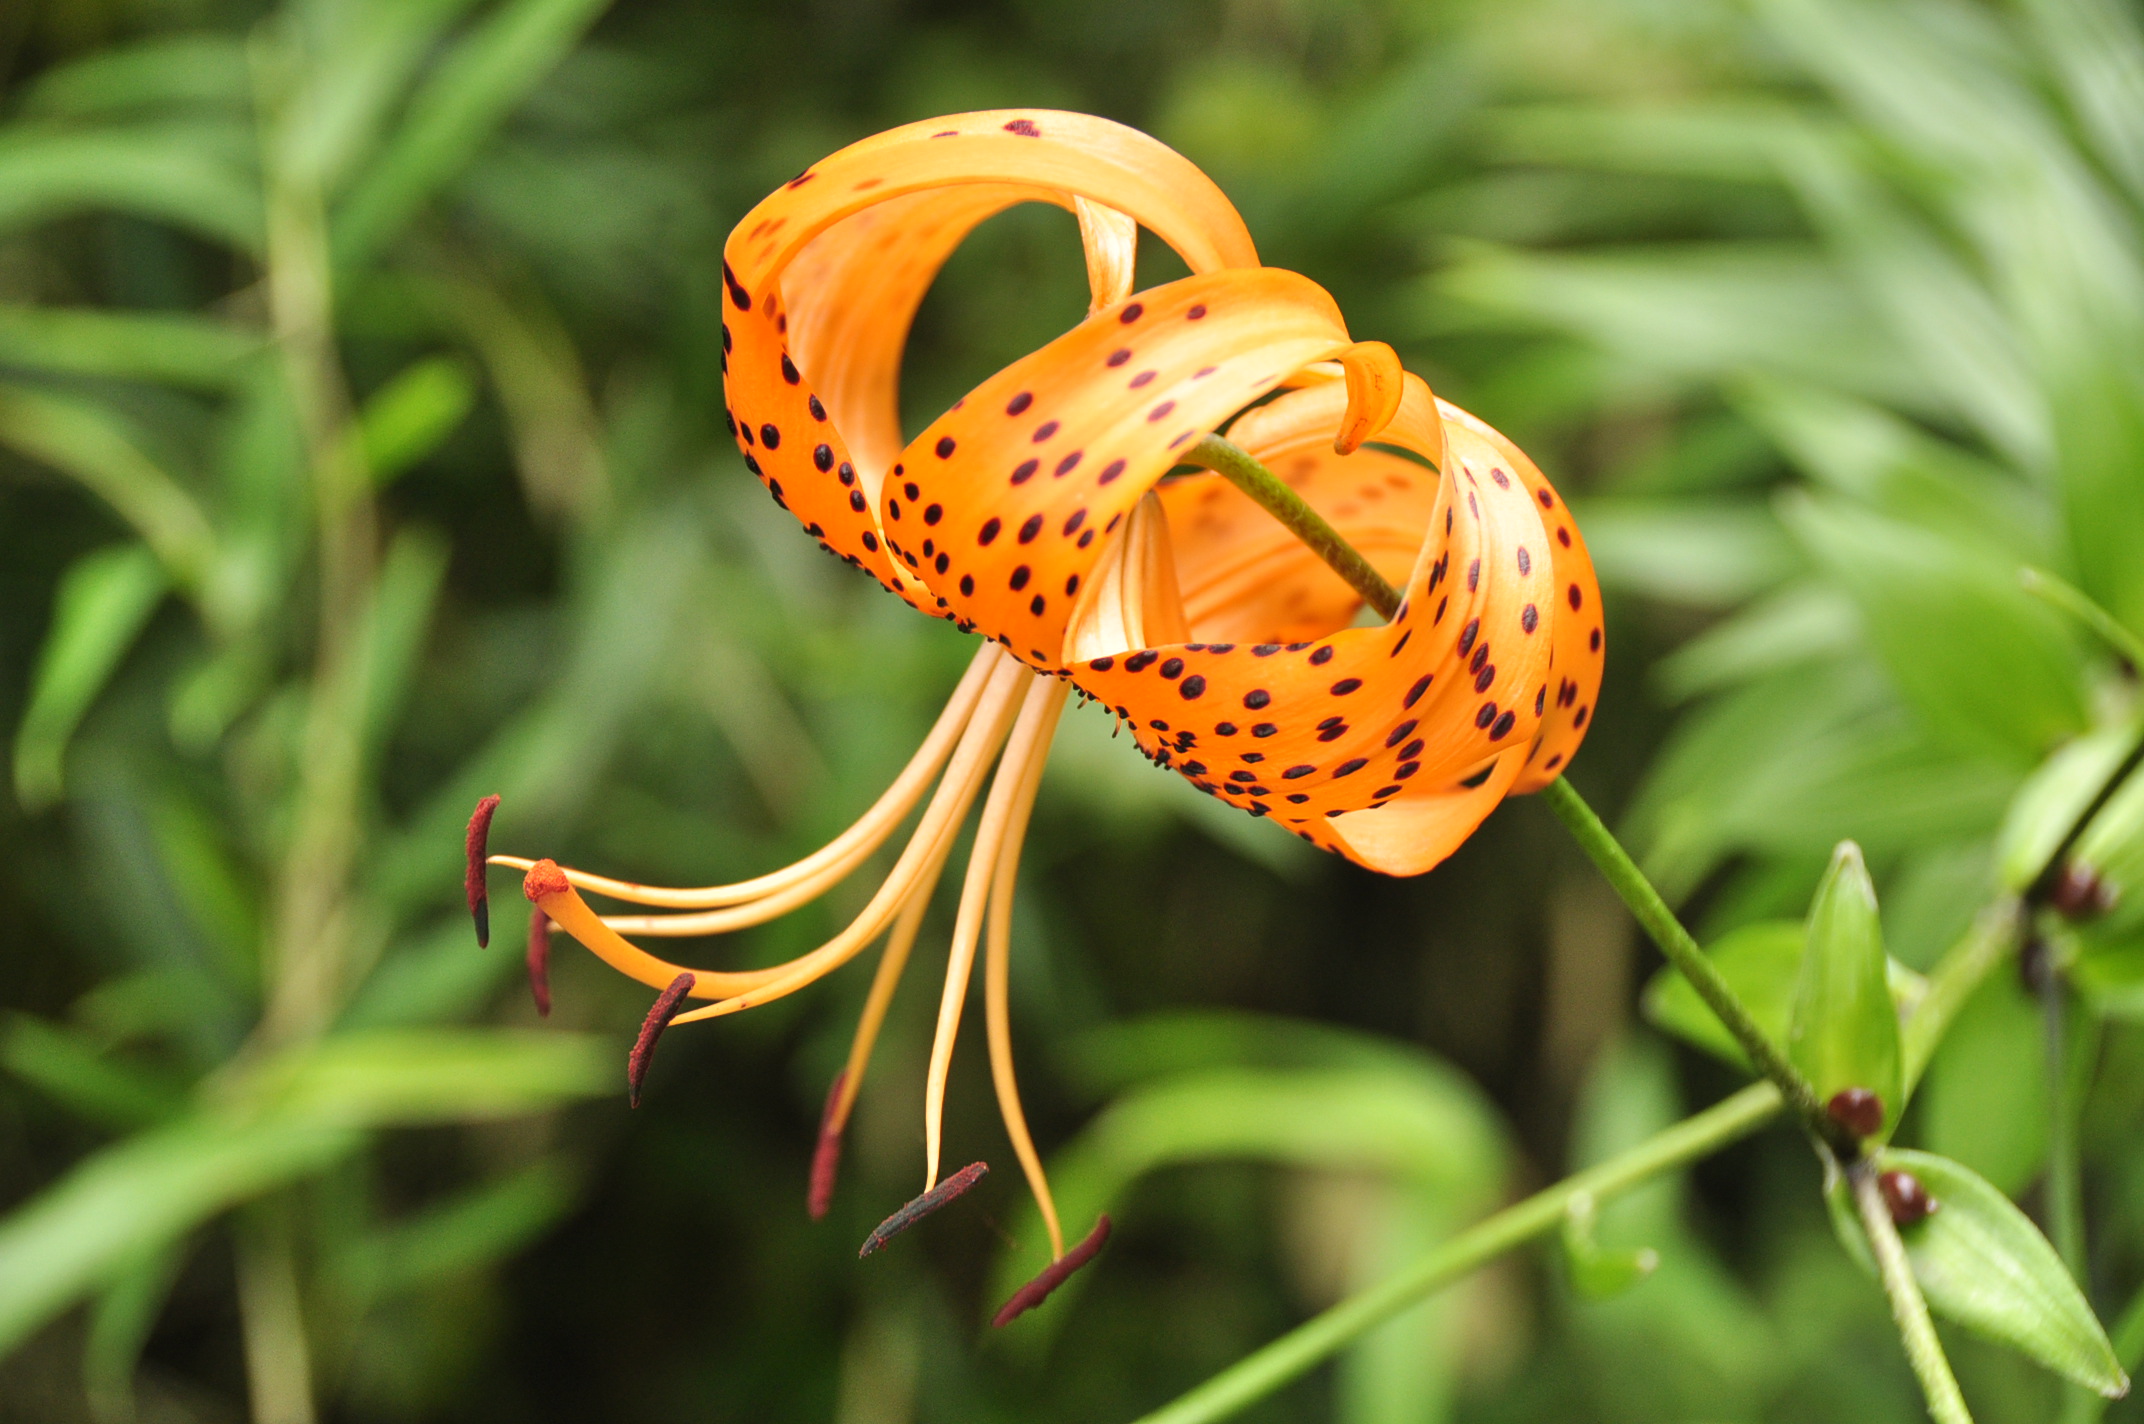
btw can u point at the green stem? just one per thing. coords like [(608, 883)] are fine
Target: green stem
[(1303, 1348), (1923, 1350), (1240, 468), (1607, 853), (1963, 970)]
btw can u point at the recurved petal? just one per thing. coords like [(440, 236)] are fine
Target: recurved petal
[(1387, 744), (1004, 504), (1577, 649)]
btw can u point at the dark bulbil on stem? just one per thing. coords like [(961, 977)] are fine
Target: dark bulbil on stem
[(2079, 894), (1906, 1199), (1857, 1110)]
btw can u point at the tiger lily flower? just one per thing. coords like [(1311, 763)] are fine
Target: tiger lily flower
[(1048, 511)]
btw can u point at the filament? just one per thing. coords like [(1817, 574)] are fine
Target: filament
[(1030, 743)]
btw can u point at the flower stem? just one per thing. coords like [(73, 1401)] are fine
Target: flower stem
[(1960, 974), (1923, 1350), (1235, 464), (1260, 1373), (1607, 853), (1243, 470)]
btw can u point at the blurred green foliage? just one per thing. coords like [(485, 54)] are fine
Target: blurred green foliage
[(360, 454)]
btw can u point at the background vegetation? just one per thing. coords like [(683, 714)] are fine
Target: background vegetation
[(359, 424)]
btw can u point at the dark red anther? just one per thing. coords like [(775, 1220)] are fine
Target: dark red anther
[(1857, 1110), (2079, 893), (946, 1191), (1906, 1197), (475, 846), (540, 961), (1036, 1291), (660, 1013), (826, 1157)]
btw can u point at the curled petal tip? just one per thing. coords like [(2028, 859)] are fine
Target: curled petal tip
[(660, 1013), (826, 1156), (946, 1191), (539, 960), (1038, 1290), (1375, 384), (475, 847), (544, 878)]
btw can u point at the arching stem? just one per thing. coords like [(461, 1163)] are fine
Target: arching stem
[(1269, 492)]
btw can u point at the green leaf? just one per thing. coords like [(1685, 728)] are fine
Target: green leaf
[(198, 70), (120, 1324), (458, 108), (167, 173), (1597, 1273), (466, 1233), (1801, 623), (148, 346), (104, 600), (1984, 665), (73, 1069), (1843, 1031), (134, 1197), (1982, 1263), (2053, 798), (407, 1077), (1984, 1102), (87, 442), (413, 414), (1704, 555)]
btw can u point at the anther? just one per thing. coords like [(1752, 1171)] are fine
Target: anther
[(1036, 1291), (539, 958), (826, 1157), (476, 847), (660, 1013), (950, 1189), (1906, 1198), (1857, 1110)]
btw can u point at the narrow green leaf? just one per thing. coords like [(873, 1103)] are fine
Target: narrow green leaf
[(148, 346), (1705, 555), (131, 1198), (197, 70), (1983, 664), (120, 1324), (87, 442), (466, 1233), (166, 173), (1843, 1032), (72, 1069), (402, 1077), (1982, 1263), (1596, 1272), (2052, 799), (413, 414), (455, 112), (104, 599)]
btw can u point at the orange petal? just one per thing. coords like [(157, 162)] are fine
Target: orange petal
[(1386, 744), (1004, 505)]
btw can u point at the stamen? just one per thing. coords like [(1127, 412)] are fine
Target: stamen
[(826, 1157), (867, 834), (1038, 719), (1038, 1290), (660, 1013), (473, 877), (997, 1011), (539, 960), (841, 1098), (946, 1191)]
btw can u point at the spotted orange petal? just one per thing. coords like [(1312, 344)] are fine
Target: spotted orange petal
[(824, 276), (1387, 744)]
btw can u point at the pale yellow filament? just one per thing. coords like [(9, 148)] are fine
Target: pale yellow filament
[(940, 824), (941, 820), (1030, 741), (846, 850), (880, 999), (996, 974)]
